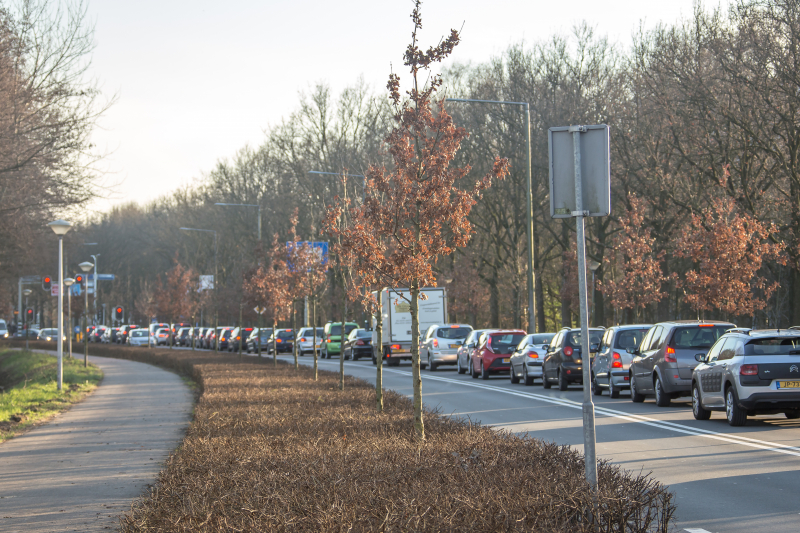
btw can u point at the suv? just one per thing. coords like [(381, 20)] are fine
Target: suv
[(563, 362), (333, 337), (663, 363), (492, 356), (612, 361), (526, 361), (749, 373), (440, 344)]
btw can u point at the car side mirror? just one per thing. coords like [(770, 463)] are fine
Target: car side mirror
[(700, 357)]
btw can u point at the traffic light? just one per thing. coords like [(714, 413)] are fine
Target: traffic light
[(29, 314), (47, 282), (79, 279), (118, 313)]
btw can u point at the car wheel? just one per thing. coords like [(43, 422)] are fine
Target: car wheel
[(513, 375), (736, 415), (472, 370), (563, 384), (528, 380), (635, 396), (596, 390), (545, 382), (662, 398), (459, 368), (432, 366), (792, 415), (484, 372), (353, 356), (613, 391), (374, 360), (699, 412)]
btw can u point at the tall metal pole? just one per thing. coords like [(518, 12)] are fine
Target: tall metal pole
[(96, 285), (529, 202), (26, 323), (216, 294), (589, 437), (84, 334), (60, 312), (259, 222), (69, 307)]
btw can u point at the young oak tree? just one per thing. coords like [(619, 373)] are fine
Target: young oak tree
[(413, 213), (174, 297)]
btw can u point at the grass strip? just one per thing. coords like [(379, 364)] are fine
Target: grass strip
[(30, 394), (270, 449)]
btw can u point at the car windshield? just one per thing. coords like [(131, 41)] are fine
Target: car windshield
[(697, 337), (453, 332), (542, 338), (773, 346), (364, 334), (138, 333), (505, 342), (574, 338), (265, 333), (336, 329), (310, 332), (630, 338)]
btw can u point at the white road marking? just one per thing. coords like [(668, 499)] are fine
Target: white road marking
[(695, 530), (630, 417)]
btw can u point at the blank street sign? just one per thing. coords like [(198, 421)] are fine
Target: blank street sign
[(595, 171)]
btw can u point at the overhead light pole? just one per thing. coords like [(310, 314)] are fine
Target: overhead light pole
[(26, 292), (216, 281), (529, 202), (86, 266), (245, 205), (68, 284), (60, 228)]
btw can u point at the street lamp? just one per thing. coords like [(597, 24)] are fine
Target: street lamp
[(60, 228), (86, 266), (246, 205), (531, 274), (68, 283), (216, 315), (26, 292), (96, 286)]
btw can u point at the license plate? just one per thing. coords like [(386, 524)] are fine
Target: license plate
[(789, 384), (506, 359), (400, 353), (455, 345)]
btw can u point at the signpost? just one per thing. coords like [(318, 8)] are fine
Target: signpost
[(320, 247), (580, 177)]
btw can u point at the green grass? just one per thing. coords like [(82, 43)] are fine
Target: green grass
[(30, 393)]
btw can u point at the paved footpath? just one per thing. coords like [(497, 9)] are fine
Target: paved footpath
[(83, 469)]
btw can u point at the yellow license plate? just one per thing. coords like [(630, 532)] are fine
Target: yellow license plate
[(455, 345), (506, 359), (789, 384)]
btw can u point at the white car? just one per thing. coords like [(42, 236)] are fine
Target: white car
[(305, 340), (138, 337), (3, 329)]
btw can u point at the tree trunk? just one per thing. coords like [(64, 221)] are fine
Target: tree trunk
[(171, 333), (275, 342), (241, 332), (379, 357), (341, 343), (314, 325), (260, 330), (494, 300), (294, 335), (419, 425)]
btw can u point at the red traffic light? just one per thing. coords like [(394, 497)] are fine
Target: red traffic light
[(119, 310), (79, 278), (29, 312), (47, 283)]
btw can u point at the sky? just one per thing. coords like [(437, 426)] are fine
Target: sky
[(195, 81)]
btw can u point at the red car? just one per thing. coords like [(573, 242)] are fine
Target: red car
[(493, 355)]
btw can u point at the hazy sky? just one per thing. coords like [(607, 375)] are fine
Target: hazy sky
[(197, 80)]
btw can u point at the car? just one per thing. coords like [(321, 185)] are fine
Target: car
[(493, 354), (29, 333), (196, 336), (440, 343), (258, 337), (663, 363), (305, 340), (467, 348), (332, 337), (48, 334), (210, 339), (358, 344), (112, 334), (224, 337), (527, 359), (124, 333), (174, 328), (613, 360), (239, 339), (4, 333), (138, 337), (155, 326), (161, 337), (563, 363), (182, 337), (97, 333), (283, 340), (748, 374)]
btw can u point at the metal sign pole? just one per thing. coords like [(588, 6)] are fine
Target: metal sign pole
[(589, 437)]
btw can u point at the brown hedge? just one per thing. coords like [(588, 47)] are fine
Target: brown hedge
[(271, 450)]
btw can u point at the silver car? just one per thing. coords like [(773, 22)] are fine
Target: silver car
[(527, 359), (138, 337), (610, 365), (440, 344), (747, 374), (305, 340)]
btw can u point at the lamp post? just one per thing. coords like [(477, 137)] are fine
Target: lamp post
[(26, 292), (96, 286), (60, 228), (86, 266), (216, 315), (529, 202), (68, 284), (246, 205)]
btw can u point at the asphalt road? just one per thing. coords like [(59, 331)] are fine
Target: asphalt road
[(726, 479)]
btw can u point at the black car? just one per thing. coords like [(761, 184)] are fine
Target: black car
[(182, 337), (237, 337), (283, 340), (358, 344), (258, 336), (563, 362), (224, 338)]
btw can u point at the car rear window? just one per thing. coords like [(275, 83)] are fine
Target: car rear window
[(574, 338), (336, 329), (283, 334), (453, 333), (505, 342), (630, 338), (542, 338), (773, 346), (138, 333), (363, 334), (697, 336)]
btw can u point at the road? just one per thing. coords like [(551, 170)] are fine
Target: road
[(726, 479)]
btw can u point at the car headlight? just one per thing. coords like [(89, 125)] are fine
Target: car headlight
[(5, 336), (48, 338)]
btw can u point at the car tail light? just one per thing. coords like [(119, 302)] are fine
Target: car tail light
[(328, 339), (278, 340), (302, 339), (616, 364), (669, 355), (705, 325), (748, 370), (568, 351), (435, 343), (533, 355), (395, 346), (360, 343)]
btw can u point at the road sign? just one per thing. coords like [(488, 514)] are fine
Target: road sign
[(102, 277), (206, 283), (260, 310), (53, 289), (320, 247), (595, 170)]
